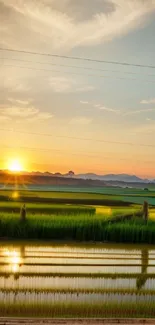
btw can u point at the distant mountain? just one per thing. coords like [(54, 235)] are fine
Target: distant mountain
[(114, 177)]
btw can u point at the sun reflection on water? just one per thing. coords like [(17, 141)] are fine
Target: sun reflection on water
[(15, 195), (14, 259)]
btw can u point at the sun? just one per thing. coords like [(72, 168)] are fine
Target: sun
[(15, 165)]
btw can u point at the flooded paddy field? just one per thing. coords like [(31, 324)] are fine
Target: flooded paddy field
[(73, 280)]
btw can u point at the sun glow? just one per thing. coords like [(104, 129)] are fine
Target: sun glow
[(15, 165)]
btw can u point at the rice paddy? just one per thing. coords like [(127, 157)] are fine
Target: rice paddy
[(81, 227), (71, 278), (89, 196), (39, 208), (108, 280)]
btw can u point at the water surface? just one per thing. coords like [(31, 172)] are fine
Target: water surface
[(56, 272)]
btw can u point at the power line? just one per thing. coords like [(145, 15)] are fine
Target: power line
[(79, 58), (79, 138), (76, 73), (76, 67), (81, 153)]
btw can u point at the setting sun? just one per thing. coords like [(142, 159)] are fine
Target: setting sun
[(15, 165)]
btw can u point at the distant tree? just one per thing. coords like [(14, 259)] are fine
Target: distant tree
[(58, 174), (71, 173)]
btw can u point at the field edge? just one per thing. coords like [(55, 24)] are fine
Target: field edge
[(74, 321)]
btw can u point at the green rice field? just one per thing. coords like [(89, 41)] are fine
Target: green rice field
[(98, 196), (90, 221), (67, 279)]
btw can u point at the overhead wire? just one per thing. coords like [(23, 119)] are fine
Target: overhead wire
[(84, 59), (76, 73), (74, 66), (78, 138), (78, 58), (60, 151)]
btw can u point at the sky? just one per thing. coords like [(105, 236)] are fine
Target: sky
[(61, 114)]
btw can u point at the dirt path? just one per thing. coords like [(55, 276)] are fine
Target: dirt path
[(39, 321)]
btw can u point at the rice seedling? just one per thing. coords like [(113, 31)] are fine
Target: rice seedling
[(79, 275), (32, 291), (77, 310), (82, 227), (79, 264), (117, 291), (38, 208)]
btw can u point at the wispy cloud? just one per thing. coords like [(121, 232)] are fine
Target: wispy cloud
[(84, 102), (57, 25), (40, 117), (60, 84), (103, 108), (18, 101), (97, 105), (112, 110), (13, 83), (139, 111), (85, 89), (80, 120), (148, 101), (19, 112), (28, 113)]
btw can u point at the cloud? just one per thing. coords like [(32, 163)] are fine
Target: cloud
[(56, 25), (40, 117), (149, 101), (85, 89), (28, 113), (84, 102), (13, 83), (18, 101), (139, 111), (112, 110), (80, 121), (103, 108), (19, 111), (60, 84)]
